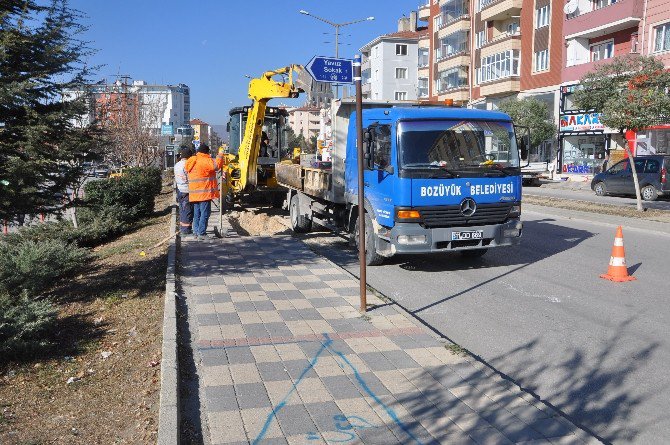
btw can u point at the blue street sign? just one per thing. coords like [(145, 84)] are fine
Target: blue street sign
[(167, 130), (329, 69)]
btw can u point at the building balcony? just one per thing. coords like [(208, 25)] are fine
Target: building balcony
[(461, 23), (500, 9), (502, 86), (616, 17), (455, 60), (576, 72), (365, 64), (365, 87), (424, 12), (424, 42), (423, 70), (503, 42), (460, 94)]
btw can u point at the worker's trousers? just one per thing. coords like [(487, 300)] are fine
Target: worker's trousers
[(201, 212), (185, 213)]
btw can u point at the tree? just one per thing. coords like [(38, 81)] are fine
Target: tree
[(631, 93), (131, 122), (293, 141), (531, 113), (42, 144)]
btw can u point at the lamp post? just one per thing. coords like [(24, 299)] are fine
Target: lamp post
[(337, 27)]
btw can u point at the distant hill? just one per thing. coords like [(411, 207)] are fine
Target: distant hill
[(221, 131)]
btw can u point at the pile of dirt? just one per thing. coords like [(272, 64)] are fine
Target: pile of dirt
[(258, 222), (101, 381), (607, 209)]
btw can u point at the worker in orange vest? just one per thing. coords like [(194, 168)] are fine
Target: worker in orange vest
[(202, 186)]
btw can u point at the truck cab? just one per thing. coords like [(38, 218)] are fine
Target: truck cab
[(437, 179)]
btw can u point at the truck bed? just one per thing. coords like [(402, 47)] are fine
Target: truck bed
[(315, 182)]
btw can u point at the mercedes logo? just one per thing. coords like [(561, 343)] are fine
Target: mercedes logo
[(468, 207)]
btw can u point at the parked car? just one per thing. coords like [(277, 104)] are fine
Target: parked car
[(652, 173), (101, 171)]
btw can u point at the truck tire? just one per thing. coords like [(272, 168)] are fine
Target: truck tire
[(473, 254), (372, 258), (299, 223)]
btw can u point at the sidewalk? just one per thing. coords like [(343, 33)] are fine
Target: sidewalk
[(283, 356)]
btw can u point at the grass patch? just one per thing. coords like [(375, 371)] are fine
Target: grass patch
[(120, 249), (456, 349), (594, 207)]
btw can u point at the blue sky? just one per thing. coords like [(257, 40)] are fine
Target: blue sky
[(211, 44)]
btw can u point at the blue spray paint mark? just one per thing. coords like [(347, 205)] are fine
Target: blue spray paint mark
[(374, 396), (342, 423), (283, 402)]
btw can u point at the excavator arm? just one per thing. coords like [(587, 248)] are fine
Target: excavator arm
[(261, 90)]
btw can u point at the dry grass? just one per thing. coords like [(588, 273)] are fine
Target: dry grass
[(606, 209), (115, 305)]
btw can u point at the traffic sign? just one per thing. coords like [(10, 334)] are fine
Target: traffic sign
[(329, 69)]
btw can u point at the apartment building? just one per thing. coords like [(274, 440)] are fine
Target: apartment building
[(305, 121), (389, 64), (201, 131)]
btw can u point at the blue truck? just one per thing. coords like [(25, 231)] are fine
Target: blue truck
[(437, 179)]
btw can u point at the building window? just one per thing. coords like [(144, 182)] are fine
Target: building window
[(424, 58), (437, 21), (542, 18), (498, 66), (480, 38), (662, 38), (400, 49), (401, 95), (452, 78), (454, 43), (541, 60), (423, 87), (597, 4), (603, 50), (401, 73)]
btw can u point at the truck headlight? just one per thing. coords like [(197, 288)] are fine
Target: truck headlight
[(514, 211), (411, 239)]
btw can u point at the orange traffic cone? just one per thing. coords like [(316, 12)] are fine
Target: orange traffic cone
[(617, 270)]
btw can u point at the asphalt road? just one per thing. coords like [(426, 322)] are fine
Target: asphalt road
[(540, 314), (663, 203)]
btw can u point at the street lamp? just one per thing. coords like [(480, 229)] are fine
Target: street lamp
[(337, 27)]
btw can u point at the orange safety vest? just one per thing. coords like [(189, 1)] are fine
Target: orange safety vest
[(201, 170)]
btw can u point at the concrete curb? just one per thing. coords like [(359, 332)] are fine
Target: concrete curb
[(168, 415)]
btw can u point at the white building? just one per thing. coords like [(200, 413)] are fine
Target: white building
[(305, 121), (158, 104), (390, 64)]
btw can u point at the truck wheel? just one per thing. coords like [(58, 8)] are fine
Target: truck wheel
[(649, 193), (600, 189), (299, 223), (372, 258), (476, 253)]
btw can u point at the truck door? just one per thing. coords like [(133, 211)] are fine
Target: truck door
[(378, 180)]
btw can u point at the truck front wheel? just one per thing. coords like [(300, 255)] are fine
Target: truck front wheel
[(372, 258), (299, 222)]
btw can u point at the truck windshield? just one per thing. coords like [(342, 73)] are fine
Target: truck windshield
[(458, 147)]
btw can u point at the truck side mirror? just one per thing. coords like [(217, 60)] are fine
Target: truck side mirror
[(523, 142)]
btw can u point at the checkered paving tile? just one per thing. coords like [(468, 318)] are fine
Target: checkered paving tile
[(283, 356)]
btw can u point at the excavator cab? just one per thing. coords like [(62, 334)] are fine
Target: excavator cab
[(274, 125)]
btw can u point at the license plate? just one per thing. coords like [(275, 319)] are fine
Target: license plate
[(461, 236)]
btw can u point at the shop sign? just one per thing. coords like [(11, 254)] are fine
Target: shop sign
[(581, 122), (581, 169)]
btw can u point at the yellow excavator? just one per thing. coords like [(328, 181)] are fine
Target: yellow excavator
[(245, 174)]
